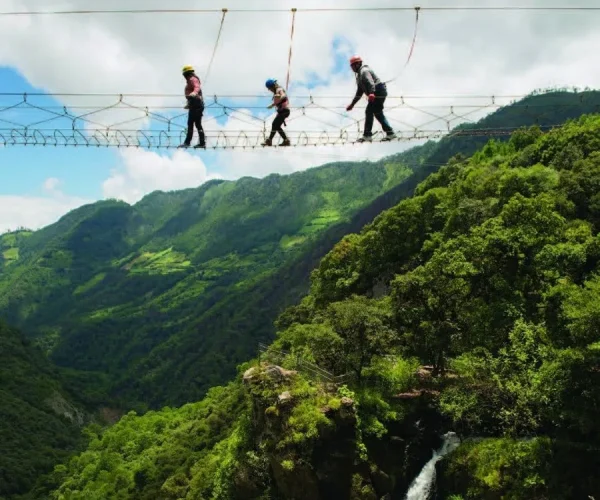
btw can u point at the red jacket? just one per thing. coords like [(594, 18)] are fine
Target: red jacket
[(280, 99), (193, 85)]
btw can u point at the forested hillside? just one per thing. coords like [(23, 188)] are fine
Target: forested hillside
[(40, 421), (109, 283), (472, 306), (167, 296)]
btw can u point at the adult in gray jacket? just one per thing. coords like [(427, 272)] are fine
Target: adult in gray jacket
[(369, 84)]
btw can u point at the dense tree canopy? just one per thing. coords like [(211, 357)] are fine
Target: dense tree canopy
[(40, 421)]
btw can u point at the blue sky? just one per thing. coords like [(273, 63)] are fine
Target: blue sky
[(24, 169)]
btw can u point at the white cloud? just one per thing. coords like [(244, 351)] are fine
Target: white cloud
[(51, 185), (145, 171), (259, 163), (35, 212)]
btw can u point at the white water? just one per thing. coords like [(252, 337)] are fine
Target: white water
[(420, 488)]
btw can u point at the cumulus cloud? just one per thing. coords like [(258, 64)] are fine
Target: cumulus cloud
[(51, 185), (145, 171), (259, 163), (35, 212), (456, 50)]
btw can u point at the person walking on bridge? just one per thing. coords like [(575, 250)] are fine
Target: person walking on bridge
[(369, 84), (195, 105), (280, 99)]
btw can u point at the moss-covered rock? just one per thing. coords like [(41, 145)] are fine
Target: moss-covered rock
[(307, 431)]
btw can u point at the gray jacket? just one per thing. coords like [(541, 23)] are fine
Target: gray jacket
[(366, 81)]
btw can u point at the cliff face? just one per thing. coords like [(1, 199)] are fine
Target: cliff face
[(307, 432), (313, 447)]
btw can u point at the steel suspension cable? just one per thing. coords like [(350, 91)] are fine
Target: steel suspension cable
[(216, 45), (287, 81)]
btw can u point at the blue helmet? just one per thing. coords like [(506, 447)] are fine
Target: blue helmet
[(270, 82)]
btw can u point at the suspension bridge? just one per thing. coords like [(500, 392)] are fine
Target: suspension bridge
[(157, 121), (26, 121)]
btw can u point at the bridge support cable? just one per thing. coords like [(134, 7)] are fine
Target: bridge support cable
[(412, 46), (215, 48), (287, 80)]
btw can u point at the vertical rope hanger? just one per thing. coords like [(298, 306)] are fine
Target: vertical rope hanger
[(216, 45), (412, 45), (287, 81)]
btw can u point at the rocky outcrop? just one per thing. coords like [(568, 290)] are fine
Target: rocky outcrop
[(275, 372), (331, 464), (62, 407), (301, 467)]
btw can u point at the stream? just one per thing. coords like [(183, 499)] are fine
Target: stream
[(420, 488)]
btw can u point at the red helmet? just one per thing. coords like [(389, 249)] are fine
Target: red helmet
[(355, 59)]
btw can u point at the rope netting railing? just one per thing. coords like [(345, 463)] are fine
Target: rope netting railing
[(267, 353), (159, 121)]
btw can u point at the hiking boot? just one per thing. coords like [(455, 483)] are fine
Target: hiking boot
[(268, 142), (365, 138), (184, 145), (391, 136), (200, 145), (286, 142)]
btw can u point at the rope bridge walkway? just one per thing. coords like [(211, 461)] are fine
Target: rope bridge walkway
[(103, 120)]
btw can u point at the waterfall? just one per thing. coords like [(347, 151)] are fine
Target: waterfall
[(420, 488)]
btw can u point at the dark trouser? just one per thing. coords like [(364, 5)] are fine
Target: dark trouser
[(195, 118), (375, 109), (278, 122)]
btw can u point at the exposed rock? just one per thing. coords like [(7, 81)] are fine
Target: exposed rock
[(425, 372), (382, 482), (347, 412), (62, 407), (273, 371), (278, 371), (249, 374), (110, 415), (284, 398), (299, 482), (416, 393)]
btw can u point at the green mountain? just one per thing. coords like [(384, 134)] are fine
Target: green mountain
[(471, 306), (106, 286), (167, 296), (40, 421)]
